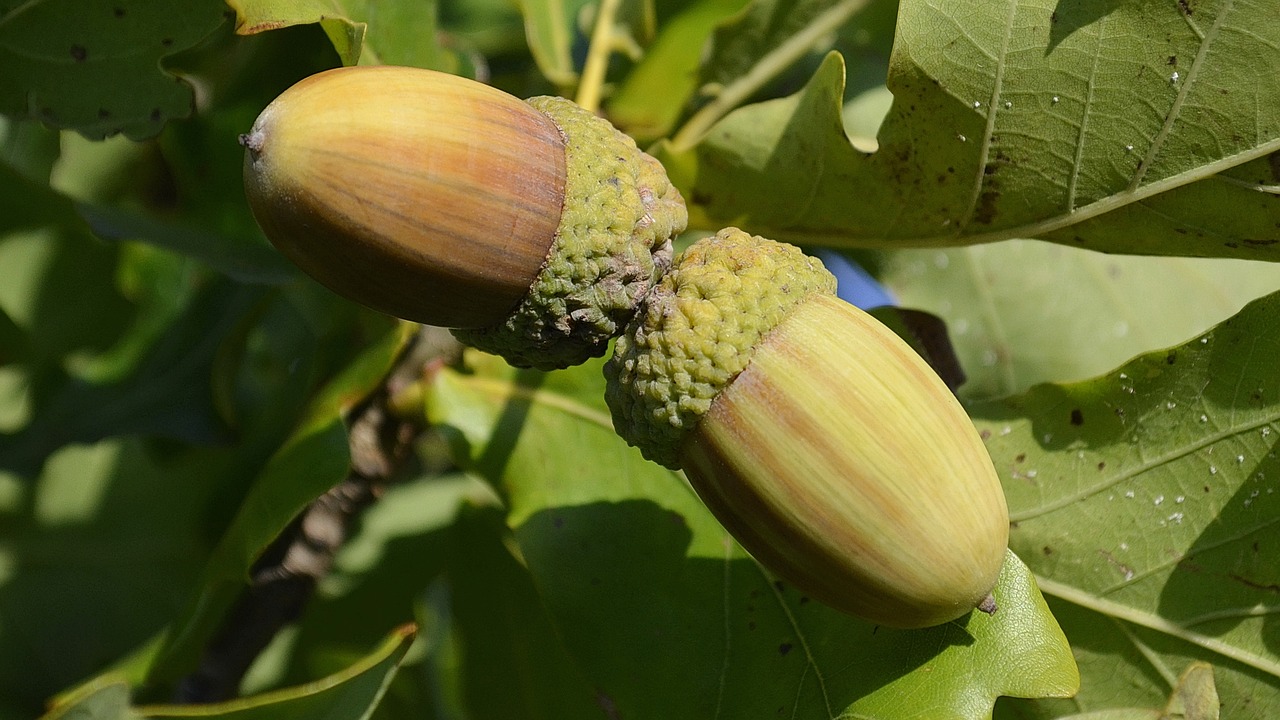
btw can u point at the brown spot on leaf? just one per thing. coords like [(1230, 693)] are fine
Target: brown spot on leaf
[(79, 53), (784, 648), (1077, 417)]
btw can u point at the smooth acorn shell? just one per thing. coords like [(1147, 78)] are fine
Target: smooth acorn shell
[(420, 194), (845, 465)]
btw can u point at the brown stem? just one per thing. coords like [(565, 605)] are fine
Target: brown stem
[(285, 577)]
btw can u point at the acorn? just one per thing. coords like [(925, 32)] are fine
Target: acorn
[(820, 440), (532, 228)]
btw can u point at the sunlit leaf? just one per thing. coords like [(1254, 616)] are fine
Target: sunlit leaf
[(551, 29), (1148, 498), (649, 101), (97, 67), (1134, 127), (1023, 312), (365, 32)]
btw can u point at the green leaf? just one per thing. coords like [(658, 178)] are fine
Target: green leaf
[(1148, 497), (240, 258), (649, 101), (649, 591), (513, 663), (741, 46), (365, 32), (315, 458), (107, 698), (351, 694), (551, 31), (97, 67), (1015, 120), (1023, 312), (384, 573), (164, 392), (95, 555)]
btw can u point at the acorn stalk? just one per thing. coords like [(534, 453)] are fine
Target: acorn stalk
[(819, 439), (533, 228)]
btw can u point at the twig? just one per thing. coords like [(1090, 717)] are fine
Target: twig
[(285, 577), (602, 46), (768, 67)]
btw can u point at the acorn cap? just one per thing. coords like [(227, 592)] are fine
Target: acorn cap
[(533, 227), (698, 329), (612, 245), (828, 448)]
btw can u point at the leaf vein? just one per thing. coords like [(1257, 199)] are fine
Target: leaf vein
[(1193, 73), (1140, 468)]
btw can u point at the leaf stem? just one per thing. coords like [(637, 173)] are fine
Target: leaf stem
[(767, 68), (602, 46)]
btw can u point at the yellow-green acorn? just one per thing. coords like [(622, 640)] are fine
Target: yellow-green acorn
[(824, 444), (533, 228)]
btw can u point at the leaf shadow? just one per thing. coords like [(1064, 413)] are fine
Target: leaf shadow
[(629, 592), (1231, 571), (1070, 16)]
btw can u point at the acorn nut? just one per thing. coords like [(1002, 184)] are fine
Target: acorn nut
[(821, 441), (532, 228)]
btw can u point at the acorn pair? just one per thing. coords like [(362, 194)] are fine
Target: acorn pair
[(824, 444)]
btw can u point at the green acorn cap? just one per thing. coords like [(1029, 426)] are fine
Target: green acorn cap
[(698, 329), (614, 242)]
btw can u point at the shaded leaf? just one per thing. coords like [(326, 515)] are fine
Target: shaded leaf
[(167, 393), (513, 663), (237, 257), (97, 553), (1149, 496), (1019, 119), (97, 67), (649, 591), (315, 458)]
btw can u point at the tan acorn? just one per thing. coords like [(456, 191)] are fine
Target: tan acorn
[(534, 228), (821, 441)]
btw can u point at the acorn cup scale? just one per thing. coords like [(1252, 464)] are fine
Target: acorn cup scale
[(532, 228), (821, 441)]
